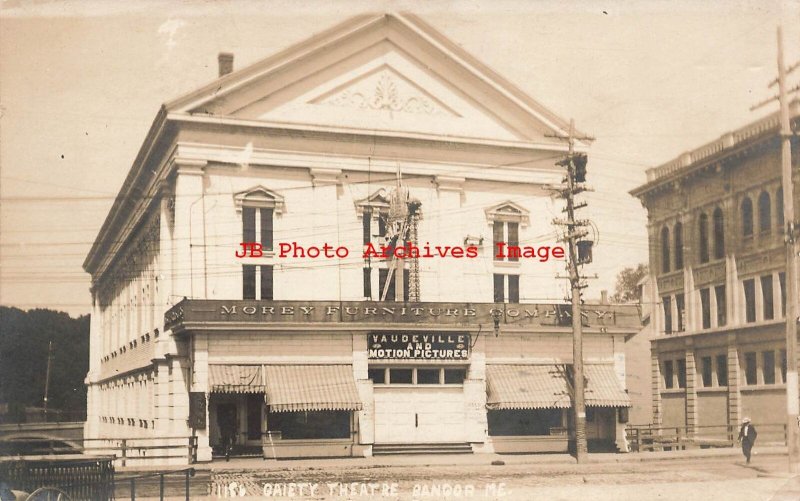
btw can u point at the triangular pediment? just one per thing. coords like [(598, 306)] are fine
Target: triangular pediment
[(385, 73)]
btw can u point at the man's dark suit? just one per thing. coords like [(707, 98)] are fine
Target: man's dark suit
[(747, 436)]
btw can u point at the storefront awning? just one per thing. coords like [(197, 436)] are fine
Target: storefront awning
[(526, 387), (311, 388), (236, 379), (603, 388)]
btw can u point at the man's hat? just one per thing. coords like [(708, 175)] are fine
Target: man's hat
[(745, 420)]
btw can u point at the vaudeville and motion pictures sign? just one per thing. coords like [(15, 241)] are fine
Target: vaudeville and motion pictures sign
[(418, 346)]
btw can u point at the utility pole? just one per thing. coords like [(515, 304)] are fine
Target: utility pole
[(576, 176), (792, 389), (792, 258), (47, 377)]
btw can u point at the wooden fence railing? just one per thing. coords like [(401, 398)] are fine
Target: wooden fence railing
[(666, 438), (132, 449)]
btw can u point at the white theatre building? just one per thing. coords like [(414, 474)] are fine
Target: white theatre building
[(298, 356)]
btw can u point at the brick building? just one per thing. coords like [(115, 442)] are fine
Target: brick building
[(717, 258), (297, 354)]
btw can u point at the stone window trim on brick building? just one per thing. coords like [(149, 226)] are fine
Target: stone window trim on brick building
[(258, 207), (259, 197)]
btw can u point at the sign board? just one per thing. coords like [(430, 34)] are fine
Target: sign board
[(197, 410), (418, 346)]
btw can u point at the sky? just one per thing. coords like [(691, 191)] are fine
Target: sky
[(80, 83)]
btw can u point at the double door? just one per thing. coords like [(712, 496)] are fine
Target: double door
[(420, 415)]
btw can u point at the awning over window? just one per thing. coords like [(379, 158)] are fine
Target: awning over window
[(603, 388), (526, 387), (311, 388), (236, 379)]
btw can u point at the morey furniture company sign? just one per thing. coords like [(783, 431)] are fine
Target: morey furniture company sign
[(418, 346)]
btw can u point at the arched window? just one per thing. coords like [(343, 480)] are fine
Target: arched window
[(764, 212), (747, 217), (779, 208), (719, 234), (678, 232), (665, 249), (702, 237)]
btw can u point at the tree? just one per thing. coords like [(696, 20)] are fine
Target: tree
[(627, 288), (24, 339)]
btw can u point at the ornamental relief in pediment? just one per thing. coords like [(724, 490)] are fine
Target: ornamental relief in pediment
[(385, 90)]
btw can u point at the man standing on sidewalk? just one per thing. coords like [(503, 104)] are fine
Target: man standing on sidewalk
[(747, 437)]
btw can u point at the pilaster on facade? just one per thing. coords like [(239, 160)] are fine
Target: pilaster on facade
[(734, 395), (691, 389), (692, 318), (655, 371)]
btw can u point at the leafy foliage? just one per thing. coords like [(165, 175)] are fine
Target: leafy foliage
[(24, 338), (627, 288)]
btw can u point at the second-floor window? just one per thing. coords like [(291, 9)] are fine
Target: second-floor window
[(767, 304), (504, 233), (680, 306), (257, 282), (707, 371), (667, 304), (669, 375), (678, 231), (722, 311), (681, 362), (257, 226), (749, 300), (705, 306), (750, 368), (506, 288)]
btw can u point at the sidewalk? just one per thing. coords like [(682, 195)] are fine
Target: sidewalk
[(239, 464)]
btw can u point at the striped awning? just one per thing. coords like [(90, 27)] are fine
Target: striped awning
[(603, 388), (236, 379), (311, 388), (526, 387)]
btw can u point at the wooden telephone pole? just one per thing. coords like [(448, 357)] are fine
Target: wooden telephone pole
[(792, 257), (576, 174)]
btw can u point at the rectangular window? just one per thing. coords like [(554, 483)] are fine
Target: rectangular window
[(248, 281), (497, 238), (667, 303), (705, 305), (680, 305), (499, 288), (707, 371), (249, 224), (266, 282), (366, 226), (768, 366), (750, 300), (750, 368), (513, 240), (766, 294), (378, 376), (669, 375), (391, 294), (454, 376), (681, 373), (266, 229), (513, 288), (367, 283), (783, 366), (505, 233), (782, 281), (722, 311), (428, 376), (722, 370), (401, 376)]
